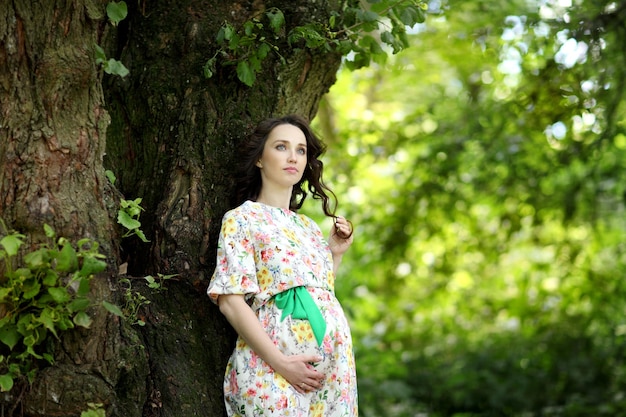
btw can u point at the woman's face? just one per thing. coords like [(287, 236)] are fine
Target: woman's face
[(284, 157)]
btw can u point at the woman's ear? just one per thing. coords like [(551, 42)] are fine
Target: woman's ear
[(259, 164)]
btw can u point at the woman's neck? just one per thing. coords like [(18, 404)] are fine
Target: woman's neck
[(280, 200)]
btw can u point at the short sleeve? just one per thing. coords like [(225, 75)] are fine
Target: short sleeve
[(235, 272)]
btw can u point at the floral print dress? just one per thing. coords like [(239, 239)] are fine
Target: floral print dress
[(263, 251)]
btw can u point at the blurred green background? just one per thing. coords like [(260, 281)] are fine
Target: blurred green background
[(484, 169)]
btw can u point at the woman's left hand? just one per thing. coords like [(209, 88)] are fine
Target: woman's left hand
[(340, 236)]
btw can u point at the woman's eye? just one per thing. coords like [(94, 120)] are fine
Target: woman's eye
[(302, 151), (281, 147)]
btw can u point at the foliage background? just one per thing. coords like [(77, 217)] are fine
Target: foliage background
[(484, 170)]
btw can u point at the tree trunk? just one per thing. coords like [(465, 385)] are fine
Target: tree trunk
[(171, 141), (52, 142)]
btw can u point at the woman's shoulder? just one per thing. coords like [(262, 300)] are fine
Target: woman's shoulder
[(246, 211), (237, 213), (304, 218), (308, 222), (242, 209)]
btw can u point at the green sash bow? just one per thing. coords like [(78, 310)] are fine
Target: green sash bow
[(298, 303)]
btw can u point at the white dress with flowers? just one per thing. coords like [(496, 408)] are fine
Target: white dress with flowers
[(262, 251)]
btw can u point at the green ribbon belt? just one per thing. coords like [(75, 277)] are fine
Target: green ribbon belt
[(298, 303)]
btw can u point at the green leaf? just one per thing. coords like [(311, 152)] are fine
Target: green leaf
[(262, 51), (141, 235), (78, 304), (100, 55), (82, 319), (248, 28), (117, 11), (311, 35), (22, 274), (110, 176), (67, 261), (228, 31), (167, 276), (4, 293), (115, 67), (277, 19), (209, 67), (134, 207), (221, 35), (360, 60), (48, 319), (38, 259), (59, 294), (31, 290), (24, 323), (65, 323), (82, 242), (112, 308), (387, 37), (95, 410), (151, 282), (44, 298), (9, 335), (233, 42), (6, 382), (12, 243), (368, 42), (380, 58), (30, 375), (369, 16), (125, 220), (411, 15), (31, 351), (255, 64), (378, 6), (30, 340), (50, 278), (83, 285), (91, 266), (49, 231), (295, 35), (369, 20), (245, 73)]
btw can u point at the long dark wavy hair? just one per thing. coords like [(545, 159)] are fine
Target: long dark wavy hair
[(249, 179)]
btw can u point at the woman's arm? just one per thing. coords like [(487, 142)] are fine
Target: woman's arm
[(296, 369)]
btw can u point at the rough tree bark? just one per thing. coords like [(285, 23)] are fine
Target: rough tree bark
[(171, 136), (52, 139)]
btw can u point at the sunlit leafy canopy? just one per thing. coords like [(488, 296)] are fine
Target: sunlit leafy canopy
[(484, 168)]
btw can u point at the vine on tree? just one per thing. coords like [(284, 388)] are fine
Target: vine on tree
[(43, 292), (129, 213), (116, 12)]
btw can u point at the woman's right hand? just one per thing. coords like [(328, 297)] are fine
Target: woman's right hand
[(298, 370)]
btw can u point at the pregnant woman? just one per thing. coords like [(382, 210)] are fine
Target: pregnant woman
[(274, 282)]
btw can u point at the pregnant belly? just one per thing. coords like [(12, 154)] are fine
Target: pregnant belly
[(295, 336)]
